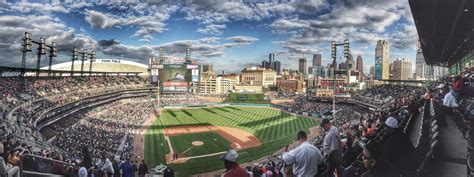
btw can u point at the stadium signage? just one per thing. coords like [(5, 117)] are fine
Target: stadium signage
[(192, 66), (174, 66), (110, 61), (178, 84)]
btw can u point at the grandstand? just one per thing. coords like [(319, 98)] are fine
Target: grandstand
[(122, 115)]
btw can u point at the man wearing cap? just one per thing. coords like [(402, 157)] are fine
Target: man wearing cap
[(232, 167), (305, 158), (391, 142), (332, 147)]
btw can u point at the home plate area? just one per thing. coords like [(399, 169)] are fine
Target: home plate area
[(191, 142)]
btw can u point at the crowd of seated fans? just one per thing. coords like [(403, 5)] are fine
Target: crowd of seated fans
[(93, 136), (39, 94), (387, 96), (103, 128), (358, 127), (31, 96)]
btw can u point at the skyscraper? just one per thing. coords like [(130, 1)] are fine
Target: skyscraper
[(302, 66), (207, 68), (277, 67), (317, 59), (402, 69), (272, 63), (360, 65), (271, 57), (420, 65), (372, 70), (382, 60)]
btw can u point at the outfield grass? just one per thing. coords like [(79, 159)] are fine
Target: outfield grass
[(213, 143), (274, 128)]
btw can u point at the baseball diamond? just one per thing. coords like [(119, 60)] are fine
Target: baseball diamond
[(254, 131)]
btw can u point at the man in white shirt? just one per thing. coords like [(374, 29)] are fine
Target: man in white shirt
[(450, 99), (332, 146), (107, 167), (305, 158)]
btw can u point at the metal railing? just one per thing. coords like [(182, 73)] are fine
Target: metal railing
[(34, 166)]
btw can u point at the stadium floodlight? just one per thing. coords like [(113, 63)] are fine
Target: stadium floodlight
[(52, 53), (27, 46), (92, 58), (75, 53), (54, 50), (28, 42), (42, 46), (84, 53)]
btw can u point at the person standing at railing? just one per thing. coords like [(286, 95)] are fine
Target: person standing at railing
[(108, 167), (8, 170), (332, 147), (142, 169)]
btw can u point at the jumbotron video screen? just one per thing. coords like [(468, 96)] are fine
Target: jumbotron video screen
[(175, 73)]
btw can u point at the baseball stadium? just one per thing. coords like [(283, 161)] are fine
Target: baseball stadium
[(90, 89)]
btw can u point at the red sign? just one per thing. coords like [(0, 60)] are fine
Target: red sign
[(177, 84)]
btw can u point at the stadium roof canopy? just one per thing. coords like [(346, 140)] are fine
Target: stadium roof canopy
[(103, 65), (445, 29)]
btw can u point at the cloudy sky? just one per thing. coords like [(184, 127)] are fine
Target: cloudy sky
[(229, 34)]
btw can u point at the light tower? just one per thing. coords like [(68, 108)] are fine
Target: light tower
[(162, 57), (83, 57), (27, 47), (92, 59), (188, 56), (53, 52), (74, 57)]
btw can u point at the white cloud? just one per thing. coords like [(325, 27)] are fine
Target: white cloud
[(100, 20), (360, 21), (212, 29), (12, 29), (243, 39), (205, 47), (149, 20)]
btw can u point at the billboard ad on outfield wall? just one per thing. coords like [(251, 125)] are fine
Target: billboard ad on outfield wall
[(175, 84), (174, 73)]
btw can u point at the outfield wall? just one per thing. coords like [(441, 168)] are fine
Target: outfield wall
[(210, 105)]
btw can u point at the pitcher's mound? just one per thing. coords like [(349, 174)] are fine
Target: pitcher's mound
[(197, 143)]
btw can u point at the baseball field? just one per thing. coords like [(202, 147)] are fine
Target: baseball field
[(191, 140)]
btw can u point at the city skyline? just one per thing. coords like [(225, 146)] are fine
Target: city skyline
[(228, 35)]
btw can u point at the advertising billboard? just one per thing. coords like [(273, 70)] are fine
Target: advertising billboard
[(193, 66), (175, 84), (174, 73)]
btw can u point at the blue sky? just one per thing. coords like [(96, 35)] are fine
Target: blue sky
[(229, 34)]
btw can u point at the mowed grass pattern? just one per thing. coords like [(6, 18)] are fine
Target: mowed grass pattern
[(213, 143), (274, 128)]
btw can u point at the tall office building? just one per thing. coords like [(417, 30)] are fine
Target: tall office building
[(402, 69), (302, 66), (382, 60), (317, 59), (360, 65), (372, 70), (421, 68), (271, 57), (207, 68), (272, 63)]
